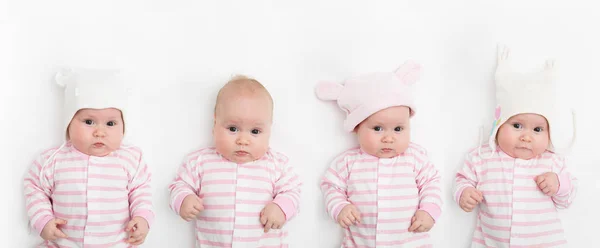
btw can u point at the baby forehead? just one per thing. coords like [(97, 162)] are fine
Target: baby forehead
[(107, 112)]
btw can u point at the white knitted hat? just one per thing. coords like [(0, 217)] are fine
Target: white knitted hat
[(519, 93), (91, 88)]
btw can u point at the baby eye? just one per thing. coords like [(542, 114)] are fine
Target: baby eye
[(111, 123), (233, 129), (538, 129), (398, 129), (255, 131), (88, 122), (377, 128), (517, 125)]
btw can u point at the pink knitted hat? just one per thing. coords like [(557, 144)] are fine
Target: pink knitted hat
[(364, 95)]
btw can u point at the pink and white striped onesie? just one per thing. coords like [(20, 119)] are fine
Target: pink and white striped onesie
[(387, 192), (97, 196), (514, 212), (233, 196)]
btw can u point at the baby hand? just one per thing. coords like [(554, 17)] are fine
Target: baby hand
[(51, 231), (272, 217), (421, 222), (138, 229), (548, 183), (190, 207), (470, 198), (348, 216)]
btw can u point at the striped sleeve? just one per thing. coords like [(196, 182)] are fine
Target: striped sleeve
[(428, 183), (334, 186), (567, 184), (465, 177), (37, 195), (287, 188), (140, 192), (187, 181)]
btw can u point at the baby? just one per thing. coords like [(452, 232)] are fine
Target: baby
[(92, 191), (518, 186), (386, 193), (240, 192)]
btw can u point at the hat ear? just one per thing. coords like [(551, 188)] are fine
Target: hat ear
[(63, 76), (328, 90), (409, 72)]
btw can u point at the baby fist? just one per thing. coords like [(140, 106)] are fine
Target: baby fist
[(548, 183), (190, 207), (348, 216)]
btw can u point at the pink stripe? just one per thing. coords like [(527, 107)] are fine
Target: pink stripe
[(108, 200), (538, 166), (398, 186), (398, 209), (105, 245), (362, 192), (247, 239), (208, 207), (213, 182), (495, 160), (479, 241), (487, 236), (108, 222), (70, 181), (496, 192), (364, 203), (70, 227), (398, 197), (248, 227), (106, 166), (363, 236), (213, 243), (247, 214), (497, 216), (59, 160), (358, 181), (398, 220), (261, 167), (555, 243), (495, 170), (253, 202), (216, 194), (498, 204), (213, 231), (526, 188), (364, 160), (216, 219), (220, 170), (532, 200), (535, 223), (108, 177), (404, 241), (31, 204), (104, 188), (70, 204), (70, 216), (393, 231), (534, 211), (493, 181), (363, 170), (365, 225), (69, 193), (71, 169), (396, 175), (539, 234), (494, 227)]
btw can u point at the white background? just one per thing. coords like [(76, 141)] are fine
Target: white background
[(178, 53)]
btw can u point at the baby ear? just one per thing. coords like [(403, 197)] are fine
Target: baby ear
[(409, 72), (328, 90), (63, 76)]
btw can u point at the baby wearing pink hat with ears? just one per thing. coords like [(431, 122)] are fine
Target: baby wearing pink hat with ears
[(385, 193)]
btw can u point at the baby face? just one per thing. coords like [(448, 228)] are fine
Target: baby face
[(386, 133), (242, 127), (524, 136), (96, 132)]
